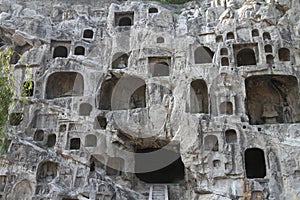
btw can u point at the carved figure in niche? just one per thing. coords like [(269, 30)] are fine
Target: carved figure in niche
[(121, 64), (287, 113), (269, 113)]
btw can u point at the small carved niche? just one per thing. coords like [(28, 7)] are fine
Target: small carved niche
[(46, 171), (211, 143), (124, 18), (38, 135), (85, 109), (90, 140)]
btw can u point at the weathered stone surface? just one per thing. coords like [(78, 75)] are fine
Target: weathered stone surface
[(212, 86)]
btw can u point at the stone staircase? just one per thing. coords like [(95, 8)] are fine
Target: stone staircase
[(158, 192)]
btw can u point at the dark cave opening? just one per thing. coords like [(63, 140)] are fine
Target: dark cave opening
[(154, 165)]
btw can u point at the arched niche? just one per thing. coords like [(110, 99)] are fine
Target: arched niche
[(51, 141), (219, 38), (85, 109), (211, 143), (124, 18), (224, 61), (64, 84), (266, 36), (75, 144), (127, 92), (255, 163), (230, 36), (272, 99), (230, 136), (268, 48), (198, 97), (153, 10), (120, 60), (90, 140), (226, 108), (22, 191), (224, 51), (284, 54), (38, 135), (246, 57), (255, 33), (88, 34), (60, 52), (46, 171), (203, 55), (160, 40), (270, 59), (79, 50)]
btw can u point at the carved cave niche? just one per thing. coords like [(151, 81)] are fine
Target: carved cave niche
[(159, 66), (79, 50), (268, 48), (203, 55), (75, 144), (160, 40), (85, 109), (124, 18), (198, 97), (270, 59), (230, 136), (22, 191), (120, 60), (226, 108), (272, 99), (46, 171), (224, 51), (60, 52), (224, 61), (88, 34), (211, 143), (115, 166), (126, 92), (284, 54), (266, 36), (64, 84), (219, 38), (51, 140), (159, 165), (230, 36), (90, 140), (3, 180), (153, 10), (255, 33), (38, 135), (255, 164), (245, 54)]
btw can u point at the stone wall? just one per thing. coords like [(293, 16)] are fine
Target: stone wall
[(210, 86)]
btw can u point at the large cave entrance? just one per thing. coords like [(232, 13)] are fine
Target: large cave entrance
[(155, 165)]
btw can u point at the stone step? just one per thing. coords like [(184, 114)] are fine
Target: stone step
[(158, 192)]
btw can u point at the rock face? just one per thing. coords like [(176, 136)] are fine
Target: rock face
[(203, 97)]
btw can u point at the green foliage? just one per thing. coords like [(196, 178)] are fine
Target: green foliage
[(6, 94), (174, 1)]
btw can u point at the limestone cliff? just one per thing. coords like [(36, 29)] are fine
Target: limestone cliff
[(202, 98)]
